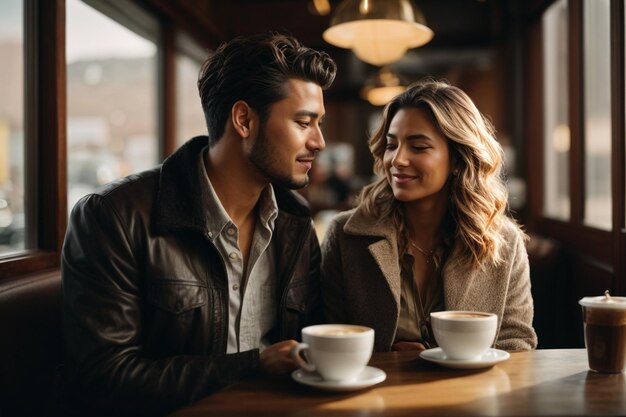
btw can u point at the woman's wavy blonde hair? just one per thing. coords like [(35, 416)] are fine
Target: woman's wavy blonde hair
[(478, 196)]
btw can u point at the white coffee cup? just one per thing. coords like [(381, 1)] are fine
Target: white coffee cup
[(464, 335), (338, 352)]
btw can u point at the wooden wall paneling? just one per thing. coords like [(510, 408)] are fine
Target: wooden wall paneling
[(590, 277), (584, 240), (509, 75), (532, 129), (534, 8), (583, 268), (252, 17), (587, 278), (548, 286), (194, 16)]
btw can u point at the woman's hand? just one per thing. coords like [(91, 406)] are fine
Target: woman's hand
[(275, 359), (400, 346)]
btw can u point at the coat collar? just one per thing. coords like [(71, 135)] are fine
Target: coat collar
[(182, 200), (384, 250), (361, 223)]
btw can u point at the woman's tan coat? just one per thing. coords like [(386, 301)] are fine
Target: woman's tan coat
[(361, 282)]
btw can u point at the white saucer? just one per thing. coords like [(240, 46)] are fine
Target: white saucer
[(489, 358), (370, 376)]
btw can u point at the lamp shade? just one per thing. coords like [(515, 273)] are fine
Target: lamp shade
[(378, 31), (380, 89)]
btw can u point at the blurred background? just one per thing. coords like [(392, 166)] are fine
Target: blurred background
[(94, 90)]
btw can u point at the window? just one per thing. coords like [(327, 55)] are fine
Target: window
[(556, 121), (112, 100), (597, 113), (189, 115), (12, 167), (83, 93)]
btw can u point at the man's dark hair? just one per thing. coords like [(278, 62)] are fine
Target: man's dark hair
[(255, 69)]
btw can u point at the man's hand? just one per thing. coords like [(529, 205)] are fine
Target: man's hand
[(275, 359), (408, 346)]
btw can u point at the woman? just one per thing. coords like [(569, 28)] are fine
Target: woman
[(431, 233)]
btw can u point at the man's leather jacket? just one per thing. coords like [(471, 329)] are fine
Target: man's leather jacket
[(145, 291)]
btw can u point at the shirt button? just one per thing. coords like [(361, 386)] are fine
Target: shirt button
[(230, 231), (235, 287), (232, 256)]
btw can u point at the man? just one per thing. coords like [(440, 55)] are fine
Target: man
[(180, 280)]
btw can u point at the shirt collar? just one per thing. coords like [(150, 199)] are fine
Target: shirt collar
[(268, 207), (218, 219)]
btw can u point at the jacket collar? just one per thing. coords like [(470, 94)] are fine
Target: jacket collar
[(182, 199)]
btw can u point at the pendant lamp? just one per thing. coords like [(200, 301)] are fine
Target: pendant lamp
[(384, 86), (378, 31)]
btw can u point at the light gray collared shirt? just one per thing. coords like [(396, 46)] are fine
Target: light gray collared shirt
[(252, 296)]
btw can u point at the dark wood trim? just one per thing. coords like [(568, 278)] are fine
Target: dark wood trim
[(167, 88), (618, 106), (46, 161), (533, 129), (31, 112), (587, 241), (27, 263), (621, 284), (533, 9), (618, 159), (203, 28), (52, 178), (576, 112)]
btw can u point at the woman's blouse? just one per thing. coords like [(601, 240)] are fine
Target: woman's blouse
[(413, 323)]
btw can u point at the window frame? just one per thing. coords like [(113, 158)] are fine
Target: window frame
[(579, 239), (44, 155), (45, 137), (618, 143)]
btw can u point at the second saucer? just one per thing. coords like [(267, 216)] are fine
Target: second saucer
[(489, 358)]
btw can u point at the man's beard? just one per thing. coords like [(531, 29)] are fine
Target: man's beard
[(262, 156)]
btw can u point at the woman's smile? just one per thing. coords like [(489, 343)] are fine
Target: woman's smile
[(401, 179)]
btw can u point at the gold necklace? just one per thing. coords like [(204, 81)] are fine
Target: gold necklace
[(428, 255)]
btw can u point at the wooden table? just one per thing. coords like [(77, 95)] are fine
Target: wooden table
[(536, 383)]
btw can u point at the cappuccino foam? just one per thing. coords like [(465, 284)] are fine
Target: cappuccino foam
[(463, 316), (338, 331)]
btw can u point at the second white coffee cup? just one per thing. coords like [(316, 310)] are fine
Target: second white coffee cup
[(338, 352), (464, 335)]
